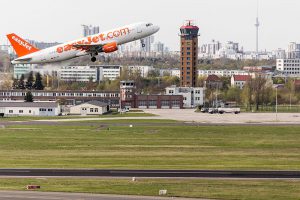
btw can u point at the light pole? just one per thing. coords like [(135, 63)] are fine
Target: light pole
[(276, 103)]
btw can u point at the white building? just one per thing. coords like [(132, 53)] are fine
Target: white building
[(143, 70), (239, 81), (293, 51), (110, 72), (171, 72), (289, 67), (90, 108), (192, 96), (29, 108), (77, 73), (223, 73)]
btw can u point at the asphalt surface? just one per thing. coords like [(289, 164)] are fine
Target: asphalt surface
[(148, 173), (29, 195)]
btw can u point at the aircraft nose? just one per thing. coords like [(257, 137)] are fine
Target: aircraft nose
[(156, 28)]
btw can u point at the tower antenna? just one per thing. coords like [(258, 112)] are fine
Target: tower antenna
[(257, 27)]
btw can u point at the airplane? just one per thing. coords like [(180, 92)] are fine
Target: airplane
[(92, 45)]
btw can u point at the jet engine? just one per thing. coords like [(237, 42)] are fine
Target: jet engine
[(110, 47)]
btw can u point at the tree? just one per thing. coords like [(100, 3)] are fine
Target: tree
[(38, 85), (21, 84), (233, 94), (29, 83), (28, 97)]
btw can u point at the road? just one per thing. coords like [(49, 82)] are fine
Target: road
[(30, 195), (148, 173)]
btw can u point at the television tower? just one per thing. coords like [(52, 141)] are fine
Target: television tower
[(257, 26)]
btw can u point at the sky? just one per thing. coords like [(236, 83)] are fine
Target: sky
[(222, 20)]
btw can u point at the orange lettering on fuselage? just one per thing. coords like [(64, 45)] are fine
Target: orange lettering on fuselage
[(95, 40)]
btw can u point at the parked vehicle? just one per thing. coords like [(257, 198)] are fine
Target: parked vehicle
[(212, 110), (229, 110), (204, 110)]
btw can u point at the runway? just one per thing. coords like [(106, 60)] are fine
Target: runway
[(149, 173)]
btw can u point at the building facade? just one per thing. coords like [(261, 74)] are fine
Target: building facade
[(30, 108), (65, 97), (192, 96), (77, 73), (189, 54), (90, 108), (288, 67), (239, 81)]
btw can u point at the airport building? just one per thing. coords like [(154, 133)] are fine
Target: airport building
[(192, 96), (129, 99), (30, 108), (189, 54), (90, 108), (66, 97)]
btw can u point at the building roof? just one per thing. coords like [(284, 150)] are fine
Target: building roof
[(297, 82), (96, 103), (213, 77), (241, 77), (29, 104)]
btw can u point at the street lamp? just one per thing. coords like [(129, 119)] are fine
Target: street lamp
[(276, 102)]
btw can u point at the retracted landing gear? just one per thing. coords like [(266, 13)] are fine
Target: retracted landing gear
[(143, 43)]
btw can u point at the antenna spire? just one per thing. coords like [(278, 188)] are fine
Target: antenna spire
[(257, 27)]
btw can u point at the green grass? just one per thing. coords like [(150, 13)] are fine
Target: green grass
[(199, 188), (150, 147), (110, 115)]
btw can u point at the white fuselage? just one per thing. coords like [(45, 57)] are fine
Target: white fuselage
[(66, 51)]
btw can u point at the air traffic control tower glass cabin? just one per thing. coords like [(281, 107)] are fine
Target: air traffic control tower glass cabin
[(189, 54)]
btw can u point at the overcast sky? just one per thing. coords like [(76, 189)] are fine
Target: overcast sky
[(223, 20)]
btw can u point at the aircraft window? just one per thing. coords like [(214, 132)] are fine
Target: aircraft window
[(150, 24)]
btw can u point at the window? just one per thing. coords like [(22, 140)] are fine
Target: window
[(91, 109), (165, 103), (50, 110), (20, 111), (142, 103), (96, 110), (11, 111), (29, 111), (152, 103)]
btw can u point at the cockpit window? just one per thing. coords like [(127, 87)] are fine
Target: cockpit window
[(150, 24)]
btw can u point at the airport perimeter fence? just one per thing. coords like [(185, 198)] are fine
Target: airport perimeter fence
[(272, 108)]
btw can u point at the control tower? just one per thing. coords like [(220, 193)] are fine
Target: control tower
[(189, 54)]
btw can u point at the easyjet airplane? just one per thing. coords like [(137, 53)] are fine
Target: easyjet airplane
[(106, 42)]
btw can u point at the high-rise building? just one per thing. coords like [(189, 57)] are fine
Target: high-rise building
[(293, 50), (189, 54), (90, 30)]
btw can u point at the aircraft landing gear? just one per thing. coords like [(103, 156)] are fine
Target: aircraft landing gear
[(93, 59), (143, 43)]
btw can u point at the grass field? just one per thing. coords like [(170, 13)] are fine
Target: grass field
[(110, 115), (156, 146), (199, 188)]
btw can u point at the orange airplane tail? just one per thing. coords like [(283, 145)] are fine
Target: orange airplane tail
[(21, 47)]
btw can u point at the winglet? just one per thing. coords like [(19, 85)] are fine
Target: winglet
[(21, 47)]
